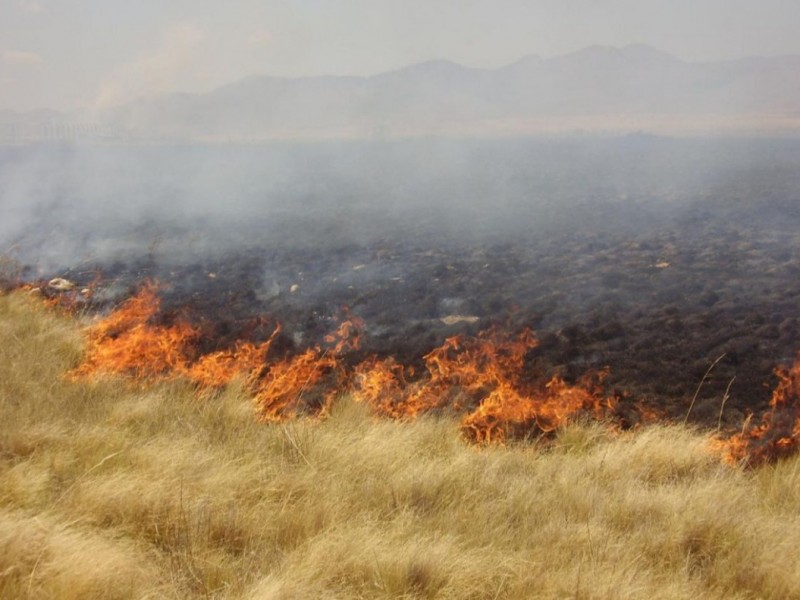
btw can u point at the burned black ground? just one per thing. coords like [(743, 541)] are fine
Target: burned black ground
[(652, 257)]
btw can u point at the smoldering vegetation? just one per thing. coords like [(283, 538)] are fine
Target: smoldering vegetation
[(649, 255)]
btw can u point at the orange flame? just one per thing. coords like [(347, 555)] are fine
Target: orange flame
[(506, 410), (778, 433), (279, 393), (220, 368), (467, 365), (286, 383), (126, 342), (488, 369), (483, 376)]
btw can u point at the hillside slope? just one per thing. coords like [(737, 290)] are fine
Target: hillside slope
[(596, 89)]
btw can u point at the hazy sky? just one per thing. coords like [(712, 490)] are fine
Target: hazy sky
[(67, 53)]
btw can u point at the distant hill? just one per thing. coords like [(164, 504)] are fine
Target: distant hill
[(597, 89)]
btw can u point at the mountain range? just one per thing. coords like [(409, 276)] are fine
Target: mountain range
[(597, 89)]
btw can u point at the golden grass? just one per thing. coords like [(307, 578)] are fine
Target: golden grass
[(112, 491)]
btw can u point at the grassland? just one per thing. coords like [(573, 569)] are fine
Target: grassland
[(109, 490)]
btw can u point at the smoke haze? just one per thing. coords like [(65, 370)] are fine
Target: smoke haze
[(62, 56), (261, 159)]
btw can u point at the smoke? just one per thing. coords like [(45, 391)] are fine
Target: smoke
[(64, 205), (21, 58), (647, 254), (431, 199), (172, 66)]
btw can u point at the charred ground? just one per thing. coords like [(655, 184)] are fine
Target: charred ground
[(652, 257)]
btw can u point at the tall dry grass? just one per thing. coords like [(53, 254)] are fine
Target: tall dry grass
[(108, 490)]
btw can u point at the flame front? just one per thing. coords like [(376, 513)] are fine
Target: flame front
[(778, 433), (459, 366), (220, 368), (506, 409), (482, 377), (127, 342)]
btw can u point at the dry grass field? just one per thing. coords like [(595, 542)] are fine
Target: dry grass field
[(112, 490)]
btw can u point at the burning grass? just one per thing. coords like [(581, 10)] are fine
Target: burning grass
[(115, 491), (482, 377), (777, 435)]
